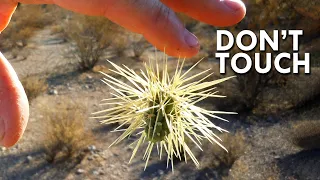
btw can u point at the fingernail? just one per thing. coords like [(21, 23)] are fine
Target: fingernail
[(2, 130), (191, 39), (234, 5)]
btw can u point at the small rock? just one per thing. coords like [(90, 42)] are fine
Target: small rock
[(29, 158), (161, 172), (89, 77), (10, 56), (114, 177), (70, 176), (96, 155), (226, 171), (19, 43), (130, 148), (90, 158), (53, 92), (96, 173), (55, 41), (3, 148), (21, 58), (80, 171), (271, 119), (88, 86), (93, 148)]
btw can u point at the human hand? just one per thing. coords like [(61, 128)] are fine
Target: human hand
[(154, 19)]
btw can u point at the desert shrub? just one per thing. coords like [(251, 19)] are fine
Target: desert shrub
[(261, 15), (65, 133), (221, 160), (300, 97), (314, 49), (25, 22), (120, 44), (208, 45), (315, 56), (139, 47), (90, 37), (252, 85), (188, 22), (306, 134), (34, 86), (57, 29)]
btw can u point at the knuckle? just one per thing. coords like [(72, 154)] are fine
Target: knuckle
[(161, 14)]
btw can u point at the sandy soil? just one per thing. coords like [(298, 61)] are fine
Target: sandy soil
[(270, 154)]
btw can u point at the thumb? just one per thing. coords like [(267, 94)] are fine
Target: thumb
[(14, 107), (6, 10)]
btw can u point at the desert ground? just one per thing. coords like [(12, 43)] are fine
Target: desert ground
[(58, 56)]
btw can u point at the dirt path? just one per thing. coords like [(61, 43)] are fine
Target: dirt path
[(269, 156), (42, 55), (26, 160)]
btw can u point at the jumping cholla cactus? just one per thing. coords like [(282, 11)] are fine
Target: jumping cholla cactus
[(162, 109)]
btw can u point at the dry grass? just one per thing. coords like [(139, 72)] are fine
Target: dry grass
[(221, 160), (299, 95), (188, 22), (120, 44), (261, 15), (139, 47), (57, 29), (250, 89), (34, 86), (306, 134), (65, 133)]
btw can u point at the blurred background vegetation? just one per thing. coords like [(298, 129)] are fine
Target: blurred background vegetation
[(58, 54)]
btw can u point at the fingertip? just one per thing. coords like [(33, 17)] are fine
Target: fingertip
[(235, 5), (191, 40), (237, 8), (182, 53), (192, 45), (183, 44), (215, 12)]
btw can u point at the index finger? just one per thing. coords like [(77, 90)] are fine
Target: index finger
[(156, 22), (151, 18), (214, 12)]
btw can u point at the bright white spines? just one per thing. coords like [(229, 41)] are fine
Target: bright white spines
[(162, 109)]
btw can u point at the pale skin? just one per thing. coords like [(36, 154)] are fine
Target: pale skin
[(154, 19)]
